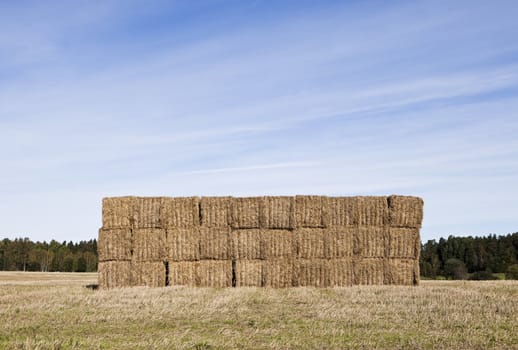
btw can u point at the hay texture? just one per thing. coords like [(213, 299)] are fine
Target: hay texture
[(147, 212), (405, 211), (215, 243), (311, 211), (260, 241), (183, 244), (215, 211), (118, 212), (180, 212), (149, 244), (114, 274), (246, 244), (279, 273), (249, 273), (278, 212), (183, 273), (150, 274), (115, 244), (214, 273), (246, 212)]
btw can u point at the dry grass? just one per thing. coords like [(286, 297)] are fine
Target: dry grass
[(56, 311)]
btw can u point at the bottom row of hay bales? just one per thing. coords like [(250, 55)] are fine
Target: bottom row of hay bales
[(277, 273)]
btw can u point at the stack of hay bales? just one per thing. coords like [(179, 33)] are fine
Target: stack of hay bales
[(259, 241)]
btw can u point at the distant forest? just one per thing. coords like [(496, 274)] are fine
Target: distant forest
[(486, 257), (22, 254)]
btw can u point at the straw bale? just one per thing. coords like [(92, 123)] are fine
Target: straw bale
[(371, 242), (246, 212), (183, 273), (180, 212), (150, 274), (372, 211), (338, 241), (342, 211), (369, 271), (312, 272), (114, 274), (147, 212), (215, 243), (405, 211), (249, 273), (215, 211), (310, 242), (114, 244), (311, 211), (404, 242), (341, 272), (402, 271), (214, 273), (278, 273), (246, 244), (183, 244), (278, 212), (149, 244), (118, 212), (277, 244)]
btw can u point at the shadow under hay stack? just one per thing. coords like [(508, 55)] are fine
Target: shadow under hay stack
[(259, 241)]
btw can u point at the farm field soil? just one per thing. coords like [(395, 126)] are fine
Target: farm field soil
[(57, 311)]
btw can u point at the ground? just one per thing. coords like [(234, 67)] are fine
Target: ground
[(57, 311)]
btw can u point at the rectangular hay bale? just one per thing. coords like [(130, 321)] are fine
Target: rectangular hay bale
[(246, 244), (310, 242), (246, 212), (149, 244), (312, 273), (249, 273), (147, 212), (114, 274), (118, 212), (341, 272), (405, 211), (148, 273), (278, 212), (278, 273), (183, 273), (404, 242), (214, 273), (114, 244), (183, 244), (369, 271), (372, 211), (371, 242), (277, 244), (311, 211), (180, 212), (342, 211), (215, 211), (402, 271), (338, 241), (215, 243)]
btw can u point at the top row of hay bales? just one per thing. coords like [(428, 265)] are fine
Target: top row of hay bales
[(269, 212)]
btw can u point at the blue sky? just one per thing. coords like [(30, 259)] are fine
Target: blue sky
[(250, 98)]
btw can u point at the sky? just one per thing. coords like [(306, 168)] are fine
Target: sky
[(243, 98)]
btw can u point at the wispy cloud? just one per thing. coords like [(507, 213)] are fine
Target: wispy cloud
[(172, 100)]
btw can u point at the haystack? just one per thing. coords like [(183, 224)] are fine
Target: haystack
[(278, 212), (246, 244), (215, 243), (183, 244), (149, 244), (118, 212), (214, 273), (215, 211), (311, 211), (405, 211), (114, 274), (249, 273), (150, 274)]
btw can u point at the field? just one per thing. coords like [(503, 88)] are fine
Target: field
[(57, 311)]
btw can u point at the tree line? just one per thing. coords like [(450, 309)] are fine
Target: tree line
[(453, 257), (470, 257), (22, 254)]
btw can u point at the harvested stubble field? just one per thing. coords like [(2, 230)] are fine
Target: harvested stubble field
[(57, 311)]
